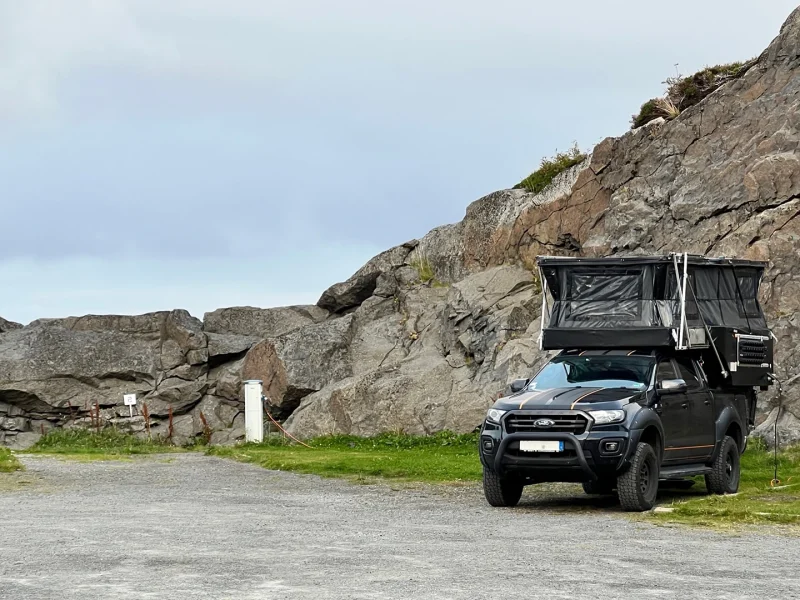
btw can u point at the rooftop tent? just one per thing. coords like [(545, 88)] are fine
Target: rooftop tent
[(682, 301)]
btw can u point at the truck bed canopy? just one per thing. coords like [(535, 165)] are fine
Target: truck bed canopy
[(649, 301)]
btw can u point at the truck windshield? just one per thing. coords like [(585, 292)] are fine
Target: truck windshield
[(631, 372)]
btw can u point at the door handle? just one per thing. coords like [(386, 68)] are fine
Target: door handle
[(685, 405), (707, 402)]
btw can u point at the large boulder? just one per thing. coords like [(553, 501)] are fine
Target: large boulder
[(362, 283), (58, 371), (301, 362), (261, 322), (431, 360)]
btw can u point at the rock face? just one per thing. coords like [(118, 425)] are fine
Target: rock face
[(428, 333), (8, 325)]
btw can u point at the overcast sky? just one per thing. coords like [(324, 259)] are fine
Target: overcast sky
[(205, 153)]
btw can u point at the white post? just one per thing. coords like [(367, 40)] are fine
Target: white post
[(253, 411)]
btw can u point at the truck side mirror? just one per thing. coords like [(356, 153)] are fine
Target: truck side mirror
[(671, 386), (518, 385)]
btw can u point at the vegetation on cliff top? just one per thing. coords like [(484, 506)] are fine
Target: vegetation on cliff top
[(683, 92), (550, 169)]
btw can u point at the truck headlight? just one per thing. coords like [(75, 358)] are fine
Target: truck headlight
[(495, 414), (604, 417)]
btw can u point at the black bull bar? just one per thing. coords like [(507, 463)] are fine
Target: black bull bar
[(567, 438)]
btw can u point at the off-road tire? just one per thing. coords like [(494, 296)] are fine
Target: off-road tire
[(601, 487), (637, 487), (500, 491), (724, 477)]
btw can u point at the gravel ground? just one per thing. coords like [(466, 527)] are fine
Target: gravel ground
[(190, 527)]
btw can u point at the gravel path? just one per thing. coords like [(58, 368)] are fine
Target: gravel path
[(191, 527)]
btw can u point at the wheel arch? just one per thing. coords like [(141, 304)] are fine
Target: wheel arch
[(647, 427), (729, 423)]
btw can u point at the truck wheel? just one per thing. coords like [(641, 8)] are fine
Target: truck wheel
[(638, 486), (724, 477), (500, 491), (602, 487)]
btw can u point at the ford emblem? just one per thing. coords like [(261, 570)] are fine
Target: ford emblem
[(543, 423)]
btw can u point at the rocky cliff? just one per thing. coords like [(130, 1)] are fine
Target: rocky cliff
[(426, 334)]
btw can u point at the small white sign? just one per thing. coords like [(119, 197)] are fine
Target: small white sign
[(129, 399)]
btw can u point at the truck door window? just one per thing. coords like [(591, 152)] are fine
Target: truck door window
[(688, 373), (665, 371)]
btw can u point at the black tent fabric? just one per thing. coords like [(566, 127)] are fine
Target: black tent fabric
[(643, 292), (615, 297)]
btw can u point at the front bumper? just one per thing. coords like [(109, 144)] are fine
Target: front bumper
[(584, 457)]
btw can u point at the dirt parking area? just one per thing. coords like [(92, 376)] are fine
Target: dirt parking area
[(190, 526)]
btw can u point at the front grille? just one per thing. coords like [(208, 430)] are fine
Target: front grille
[(563, 423)]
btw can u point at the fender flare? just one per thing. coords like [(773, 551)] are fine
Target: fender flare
[(644, 418), (727, 417)]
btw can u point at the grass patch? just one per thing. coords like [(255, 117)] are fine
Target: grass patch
[(683, 92), (550, 169), (756, 503), (440, 458), (105, 444), (8, 462), (424, 270)]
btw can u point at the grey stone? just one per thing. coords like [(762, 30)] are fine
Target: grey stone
[(261, 322), (225, 346), (24, 440), (362, 284), (298, 363), (8, 325)]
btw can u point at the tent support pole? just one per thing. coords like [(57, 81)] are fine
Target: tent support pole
[(544, 306), (682, 293), (683, 307)]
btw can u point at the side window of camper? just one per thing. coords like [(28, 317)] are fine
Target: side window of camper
[(688, 373), (748, 305)]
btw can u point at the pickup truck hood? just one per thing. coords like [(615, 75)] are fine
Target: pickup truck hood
[(569, 398)]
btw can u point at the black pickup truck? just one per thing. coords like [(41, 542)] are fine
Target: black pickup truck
[(616, 419)]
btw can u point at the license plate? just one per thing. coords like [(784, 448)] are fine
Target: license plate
[(540, 446)]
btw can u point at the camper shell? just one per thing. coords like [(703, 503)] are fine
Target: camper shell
[(677, 301)]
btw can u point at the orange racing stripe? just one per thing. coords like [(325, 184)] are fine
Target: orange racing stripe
[(521, 404), (582, 397)]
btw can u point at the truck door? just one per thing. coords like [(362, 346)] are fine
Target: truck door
[(673, 409), (701, 410)]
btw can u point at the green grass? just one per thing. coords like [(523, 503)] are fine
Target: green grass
[(440, 458), (424, 270), (550, 168), (9, 462), (756, 503), (107, 443)]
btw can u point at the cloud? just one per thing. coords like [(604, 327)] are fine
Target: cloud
[(43, 42)]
